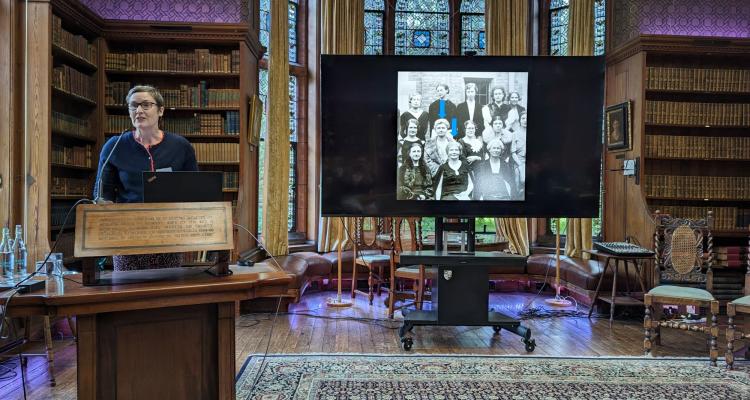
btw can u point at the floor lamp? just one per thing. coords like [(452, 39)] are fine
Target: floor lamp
[(558, 300), (339, 301)]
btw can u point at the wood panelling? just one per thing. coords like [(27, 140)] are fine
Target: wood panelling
[(38, 109), (7, 40), (625, 210)]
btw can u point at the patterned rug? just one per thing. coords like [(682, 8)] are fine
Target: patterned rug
[(487, 377)]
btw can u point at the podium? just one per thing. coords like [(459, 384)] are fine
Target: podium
[(169, 337)]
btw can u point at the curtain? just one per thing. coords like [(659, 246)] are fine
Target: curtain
[(276, 164), (328, 233), (343, 24), (581, 40), (506, 22), (343, 33)]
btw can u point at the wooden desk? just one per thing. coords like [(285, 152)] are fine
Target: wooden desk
[(614, 299), (172, 339)]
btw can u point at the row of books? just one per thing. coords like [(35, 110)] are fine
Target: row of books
[(731, 256), (70, 124), (231, 180), (79, 156), (723, 217), (58, 212), (687, 113), (75, 44), (699, 80), (186, 96), (73, 81), (702, 147), (217, 152), (698, 187), (199, 60), (63, 186), (198, 124)]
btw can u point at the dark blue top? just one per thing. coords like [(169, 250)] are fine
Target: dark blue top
[(122, 178)]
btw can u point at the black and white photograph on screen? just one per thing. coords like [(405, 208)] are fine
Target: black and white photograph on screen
[(462, 135)]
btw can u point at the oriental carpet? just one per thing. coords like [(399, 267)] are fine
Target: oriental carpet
[(338, 376)]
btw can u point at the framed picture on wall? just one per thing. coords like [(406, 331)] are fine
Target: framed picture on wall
[(619, 135), (255, 111)]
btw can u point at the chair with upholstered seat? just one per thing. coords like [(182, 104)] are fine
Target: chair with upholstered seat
[(374, 255), (680, 262), (414, 274), (741, 305)]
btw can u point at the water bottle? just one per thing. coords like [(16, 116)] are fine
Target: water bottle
[(6, 254), (19, 253)]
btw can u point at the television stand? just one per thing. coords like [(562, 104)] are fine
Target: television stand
[(460, 293)]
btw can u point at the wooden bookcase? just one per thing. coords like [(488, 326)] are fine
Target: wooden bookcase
[(75, 121), (206, 72), (691, 130)]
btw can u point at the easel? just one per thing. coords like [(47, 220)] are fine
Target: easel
[(339, 301)]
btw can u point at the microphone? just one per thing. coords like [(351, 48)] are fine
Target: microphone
[(98, 187)]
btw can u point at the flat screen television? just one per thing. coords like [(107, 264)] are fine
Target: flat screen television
[(461, 136)]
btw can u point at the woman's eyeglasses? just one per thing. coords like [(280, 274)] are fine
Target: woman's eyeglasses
[(145, 106)]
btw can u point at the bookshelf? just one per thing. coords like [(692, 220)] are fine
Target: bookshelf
[(205, 74), (75, 123), (691, 126)]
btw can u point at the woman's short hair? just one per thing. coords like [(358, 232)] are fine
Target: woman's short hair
[(452, 144), (442, 121), (492, 93), (413, 95), (495, 141), (470, 85), (444, 85), (469, 122), (516, 93), (412, 121), (497, 118), (146, 89)]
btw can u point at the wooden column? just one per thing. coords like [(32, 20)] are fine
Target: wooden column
[(7, 40), (37, 138)]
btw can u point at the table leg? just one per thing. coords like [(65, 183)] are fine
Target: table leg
[(598, 285), (614, 292), (640, 278), (627, 276)]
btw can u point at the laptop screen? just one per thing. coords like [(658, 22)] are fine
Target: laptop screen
[(182, 186)]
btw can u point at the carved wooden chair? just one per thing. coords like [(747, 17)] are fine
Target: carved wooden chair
[(373, 254), (415, 274), (680, 263), (741, 305)]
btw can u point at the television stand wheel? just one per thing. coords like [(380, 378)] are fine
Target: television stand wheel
[(530, 344), (407, 343), (497, 329)]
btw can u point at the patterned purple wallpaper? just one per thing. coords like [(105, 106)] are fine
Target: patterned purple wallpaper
[(215, 11), (725, 18)]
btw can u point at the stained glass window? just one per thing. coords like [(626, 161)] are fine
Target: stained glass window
[(472, 26), (422, 27), (265, 27), (374, 19), (599, 14), (558, 20)]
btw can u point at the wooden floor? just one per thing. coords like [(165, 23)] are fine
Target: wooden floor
[(311, 327)]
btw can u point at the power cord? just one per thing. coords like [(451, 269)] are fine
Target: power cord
[(263, 363)]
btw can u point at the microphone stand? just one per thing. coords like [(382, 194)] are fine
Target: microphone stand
[(558, 301)]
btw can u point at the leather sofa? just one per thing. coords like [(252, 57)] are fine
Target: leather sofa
[(578, 276)]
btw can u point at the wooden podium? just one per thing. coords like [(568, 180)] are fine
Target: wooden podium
[(170, 337)]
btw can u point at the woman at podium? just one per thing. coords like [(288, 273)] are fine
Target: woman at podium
[(125, 157)]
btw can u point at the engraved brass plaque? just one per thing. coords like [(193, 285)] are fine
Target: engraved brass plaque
[(122, 229)]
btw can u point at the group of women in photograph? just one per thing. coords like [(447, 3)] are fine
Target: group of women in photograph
[(484, 159)]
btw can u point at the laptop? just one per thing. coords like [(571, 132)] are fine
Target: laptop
[(182, 186)]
